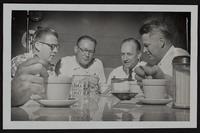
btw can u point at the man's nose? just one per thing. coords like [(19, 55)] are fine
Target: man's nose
[(87, 53), (125, 57), (55, 50), (145, 49)]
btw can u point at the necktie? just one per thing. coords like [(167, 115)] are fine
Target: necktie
[(130, 74)]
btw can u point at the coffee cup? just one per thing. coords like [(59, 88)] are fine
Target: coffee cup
[(120, 87), (124, 89), (58, 87), (155, 88)]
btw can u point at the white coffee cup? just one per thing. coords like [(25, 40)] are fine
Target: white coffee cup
[(58, 87), (126, 87), (155, 88), (120, 87)]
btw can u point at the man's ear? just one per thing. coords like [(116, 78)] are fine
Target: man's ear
[(139, 56), (162, 42), (38, 46), (75, 49)]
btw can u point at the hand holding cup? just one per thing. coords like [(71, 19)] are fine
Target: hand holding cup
[(149, 72), (29, 79)]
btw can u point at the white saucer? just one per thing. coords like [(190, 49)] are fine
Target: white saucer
[(57, 103), (155, 101)]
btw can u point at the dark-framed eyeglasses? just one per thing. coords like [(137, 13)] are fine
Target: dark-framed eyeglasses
[(52, 46), (86, 50)]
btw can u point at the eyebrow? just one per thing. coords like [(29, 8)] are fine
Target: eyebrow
[(146, 43), (86, 48)]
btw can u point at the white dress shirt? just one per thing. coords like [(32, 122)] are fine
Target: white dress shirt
[(166, 63), (120, 73), (70, 67)]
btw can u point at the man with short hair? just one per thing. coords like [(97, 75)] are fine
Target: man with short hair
[(130, 58), (30, 70), (84, 63), (159, 52)]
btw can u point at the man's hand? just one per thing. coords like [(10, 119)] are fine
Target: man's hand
[(148, 72), (29, 79), (94, 83)]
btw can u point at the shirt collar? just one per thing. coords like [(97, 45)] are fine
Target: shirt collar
[(132, 68), (167, 55), (78, 66)]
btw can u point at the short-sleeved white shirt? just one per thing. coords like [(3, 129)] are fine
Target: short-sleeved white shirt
[(70, 67), (120, 73), (166, 63)]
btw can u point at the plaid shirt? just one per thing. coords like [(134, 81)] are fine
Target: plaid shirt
[(16, 61)]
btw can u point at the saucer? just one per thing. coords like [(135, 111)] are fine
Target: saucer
[(124, 96), (57, 103), (155, 101)]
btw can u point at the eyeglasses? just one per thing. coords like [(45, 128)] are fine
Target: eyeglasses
[(86, 50), (52, 46)]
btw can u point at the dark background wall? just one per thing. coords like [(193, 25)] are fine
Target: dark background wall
[(109, 28)]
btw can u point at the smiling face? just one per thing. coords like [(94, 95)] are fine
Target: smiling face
[(129, 54), (85, 52), (154, 48), (44, 50)]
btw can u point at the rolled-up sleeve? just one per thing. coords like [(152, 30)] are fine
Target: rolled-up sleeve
[(100, 69)]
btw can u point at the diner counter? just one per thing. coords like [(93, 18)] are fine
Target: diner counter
[(108, 108)]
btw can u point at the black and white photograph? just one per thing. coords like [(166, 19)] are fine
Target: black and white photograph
[(73, 66)]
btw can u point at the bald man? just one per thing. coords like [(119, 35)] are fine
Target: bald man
[(130, 58)]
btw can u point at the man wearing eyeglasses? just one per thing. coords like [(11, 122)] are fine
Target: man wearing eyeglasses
[(30, 70), (84, 63)]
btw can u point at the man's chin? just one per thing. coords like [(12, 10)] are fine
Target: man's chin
[(152, 62), (50, 58), (126, 67), (84, 64)]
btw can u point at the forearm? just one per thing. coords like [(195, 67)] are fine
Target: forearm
[(19, 96), (19, 99)]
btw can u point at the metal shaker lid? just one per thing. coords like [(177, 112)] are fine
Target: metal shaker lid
[(181, 60)]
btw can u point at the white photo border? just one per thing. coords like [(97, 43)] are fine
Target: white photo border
[(7, 17)]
